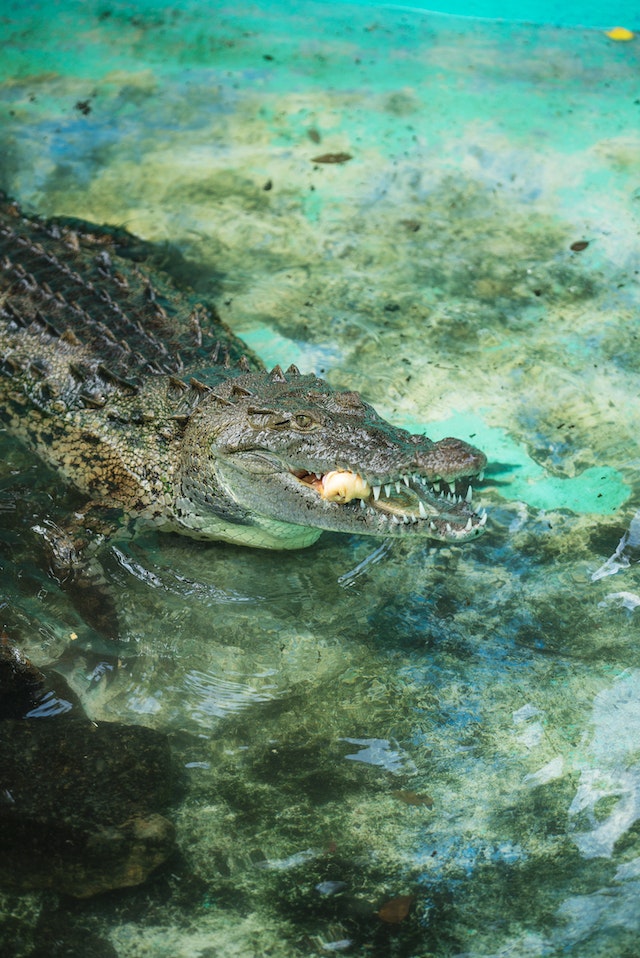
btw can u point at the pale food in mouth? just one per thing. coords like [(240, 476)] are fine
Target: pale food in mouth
[(342, 486), (338, 485)]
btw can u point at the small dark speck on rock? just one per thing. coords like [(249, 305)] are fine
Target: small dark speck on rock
[(579, 246), (84, 107), (332, 158), (268, 185)]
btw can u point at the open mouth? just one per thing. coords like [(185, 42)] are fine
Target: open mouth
[(409, 500)]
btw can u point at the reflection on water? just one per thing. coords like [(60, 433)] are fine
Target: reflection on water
[(607, 800), (212, 695), (365, 723), (347, 579), (625, 553), (379, 751), (172, 581)]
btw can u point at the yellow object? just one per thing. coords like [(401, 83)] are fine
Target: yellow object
[(620, 33)]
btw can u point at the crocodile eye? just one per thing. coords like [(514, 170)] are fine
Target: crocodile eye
[(303, 421)]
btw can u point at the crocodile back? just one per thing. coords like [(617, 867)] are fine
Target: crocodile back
[(97, 287)]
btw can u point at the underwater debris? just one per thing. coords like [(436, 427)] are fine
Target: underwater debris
[(413, 798), (620, 33), (332, 158), (330, 887), (396, 909), (411, 225)]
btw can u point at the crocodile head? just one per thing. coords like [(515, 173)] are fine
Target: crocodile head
[(273, 459)]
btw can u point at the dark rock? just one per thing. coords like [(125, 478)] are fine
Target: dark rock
[(57, 938), (28, 692), (80, 805), (21, 683)]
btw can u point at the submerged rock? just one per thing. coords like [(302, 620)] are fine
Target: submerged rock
[(29, 692), (21, 683), (80, 805)]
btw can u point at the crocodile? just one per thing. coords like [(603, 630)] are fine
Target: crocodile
[(146, 402)]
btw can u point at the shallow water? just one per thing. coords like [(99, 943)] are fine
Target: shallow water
[(364, 721)]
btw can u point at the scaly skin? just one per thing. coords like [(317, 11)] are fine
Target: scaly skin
[(144, 400)]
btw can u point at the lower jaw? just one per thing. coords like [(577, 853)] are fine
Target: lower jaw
[(423, 521), (386, 516)]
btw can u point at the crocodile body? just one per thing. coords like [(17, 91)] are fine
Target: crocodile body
[(145, 401)]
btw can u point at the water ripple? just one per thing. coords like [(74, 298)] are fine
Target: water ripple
[(214, 696)]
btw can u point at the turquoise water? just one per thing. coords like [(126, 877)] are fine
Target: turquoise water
[(575, 13), (362, 722)]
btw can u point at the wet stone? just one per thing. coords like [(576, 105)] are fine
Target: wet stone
[(80, 805), (21, 683), (29, 692)]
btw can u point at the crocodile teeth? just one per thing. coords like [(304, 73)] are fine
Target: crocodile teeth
[(376, 492), (405, 479), (469, 525), (387, 490), (398, 487), (469, 495), (421, 509)]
